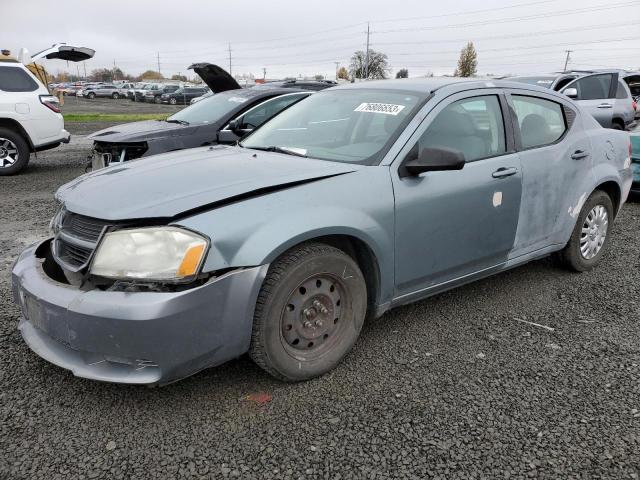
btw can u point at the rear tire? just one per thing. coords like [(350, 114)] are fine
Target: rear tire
[(14, 152), (91, 96), (617, 125), (115, 96), (157, 100), (309, 312), (590, 236)]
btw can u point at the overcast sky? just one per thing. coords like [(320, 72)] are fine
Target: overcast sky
[(306, 38)]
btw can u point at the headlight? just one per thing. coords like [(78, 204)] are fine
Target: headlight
[(162, 253)]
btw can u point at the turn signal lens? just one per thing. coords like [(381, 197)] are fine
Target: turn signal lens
[(191, 261)]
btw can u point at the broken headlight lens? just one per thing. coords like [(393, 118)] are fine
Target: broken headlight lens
[(153, 254)]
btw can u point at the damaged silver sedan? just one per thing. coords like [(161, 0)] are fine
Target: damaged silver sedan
[(349, 203)]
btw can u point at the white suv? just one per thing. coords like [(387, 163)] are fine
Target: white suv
[(30, 119)]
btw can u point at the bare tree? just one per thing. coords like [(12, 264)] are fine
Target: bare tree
[(402, 73), (468, 62), (378, 65)]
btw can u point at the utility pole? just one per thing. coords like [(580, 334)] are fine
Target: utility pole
[(366, 61), (566, 62), (85, 70), (78, 71), (114, 69), (158, 57), (337, 65), (264, 73), (229, 59)]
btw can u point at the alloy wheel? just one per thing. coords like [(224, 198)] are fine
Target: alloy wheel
[(594, 232), (8, 153)]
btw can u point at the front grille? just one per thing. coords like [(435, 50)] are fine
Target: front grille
[(73, 255), (132, 150), (86, 228), (76, 239)]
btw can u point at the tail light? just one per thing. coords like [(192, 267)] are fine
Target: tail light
[(50, 102)]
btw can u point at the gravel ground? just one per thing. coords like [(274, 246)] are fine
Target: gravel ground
[(451, 387)]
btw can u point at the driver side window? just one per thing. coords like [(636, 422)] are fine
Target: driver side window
[(473, 126)]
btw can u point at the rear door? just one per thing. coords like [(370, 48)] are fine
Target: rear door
[(555, 154), (596, 94), (452, 224)]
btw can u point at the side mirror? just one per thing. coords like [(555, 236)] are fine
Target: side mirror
[(236, 126), (571, 92), (432, 160)]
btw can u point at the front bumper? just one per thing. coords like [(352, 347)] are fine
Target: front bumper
[(134, 337)]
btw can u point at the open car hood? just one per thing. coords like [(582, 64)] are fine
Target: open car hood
[(62, 51), (216, 78), (175, 183)]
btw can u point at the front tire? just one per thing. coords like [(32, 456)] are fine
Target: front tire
[(173, 101), (91, 96), (157, 100), (14, 152), (590, 236), (115, 96), (309, 312)]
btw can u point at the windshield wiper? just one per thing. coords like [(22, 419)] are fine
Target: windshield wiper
[(286, 150), (173, 120)]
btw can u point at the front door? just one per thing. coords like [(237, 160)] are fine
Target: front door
[(596, 94), (451, 224)]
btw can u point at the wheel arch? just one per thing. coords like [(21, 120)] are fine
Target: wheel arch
[(364, 256), (619, 121), (15, 125), (614, 191)]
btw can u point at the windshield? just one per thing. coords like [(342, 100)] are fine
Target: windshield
[(539, 81), (210, 109), (350, 125)]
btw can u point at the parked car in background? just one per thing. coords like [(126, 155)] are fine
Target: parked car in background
[(183, 95), (30, 119), (132, 91), (221, 118), (86, 87), (124, 88), (140, 92), (359, 199), (104, 90), (154, 94), (604, 94)]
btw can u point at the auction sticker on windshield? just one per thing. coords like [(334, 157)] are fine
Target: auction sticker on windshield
[(386, 108)]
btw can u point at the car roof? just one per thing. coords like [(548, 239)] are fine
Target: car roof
[(432, 84)]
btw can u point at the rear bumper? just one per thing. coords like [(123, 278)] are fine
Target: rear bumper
[(134, 337), (65, 138)]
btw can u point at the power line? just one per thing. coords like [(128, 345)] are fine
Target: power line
[(512, 19)]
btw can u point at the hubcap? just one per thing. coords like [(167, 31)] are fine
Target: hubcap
[(8, 153), (311, 320), (594, 232)]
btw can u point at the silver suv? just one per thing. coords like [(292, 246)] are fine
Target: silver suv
[(105, 90), (603, 94)]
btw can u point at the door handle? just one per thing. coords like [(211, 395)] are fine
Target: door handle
[(605, 105), (504, 172), (579, 154)]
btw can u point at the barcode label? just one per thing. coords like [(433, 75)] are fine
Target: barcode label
[(386, 108)]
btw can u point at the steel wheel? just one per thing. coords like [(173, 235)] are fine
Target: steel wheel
[(594, 232), (310, 321), (8, 153)]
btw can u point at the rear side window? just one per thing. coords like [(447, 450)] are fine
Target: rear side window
[(621, 92), (594, 87), (473, 126), (14, 79), (541, 121)]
